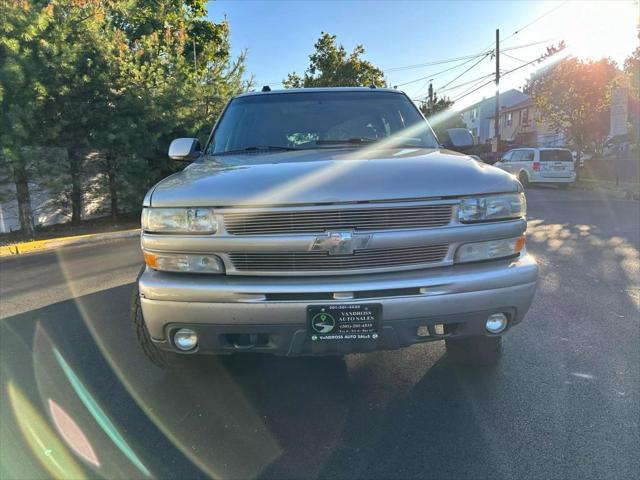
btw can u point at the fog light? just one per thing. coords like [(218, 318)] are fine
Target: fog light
[(496, 323), (185, 339)]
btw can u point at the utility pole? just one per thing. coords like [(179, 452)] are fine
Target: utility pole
[(430, 98), (496, 147)]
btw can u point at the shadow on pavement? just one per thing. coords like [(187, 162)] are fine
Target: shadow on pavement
[(119, 416), (79, 396)]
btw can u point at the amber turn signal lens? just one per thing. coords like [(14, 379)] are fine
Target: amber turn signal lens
[(151, 260), (520, 244)]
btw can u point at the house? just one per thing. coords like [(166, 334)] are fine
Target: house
[(521, 124), (517, 123), (478, 117)]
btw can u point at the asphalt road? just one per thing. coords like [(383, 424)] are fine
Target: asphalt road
[(78, 398)]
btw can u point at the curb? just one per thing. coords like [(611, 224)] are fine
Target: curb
[(623, 191), (53, 243)]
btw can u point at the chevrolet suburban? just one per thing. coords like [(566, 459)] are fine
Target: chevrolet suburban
[(326, 222)]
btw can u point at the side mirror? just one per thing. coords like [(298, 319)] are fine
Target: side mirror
[(458, 139), (184, 149)]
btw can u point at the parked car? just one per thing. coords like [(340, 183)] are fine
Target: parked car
[(329, 221), (540, 165)]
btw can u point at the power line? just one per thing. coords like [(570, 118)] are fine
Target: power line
[(475, 80), (549, 12), (506, 73), (436, 74), (465, 57), (472, 91), (541, 57), (475, 84), (486, 49), (525, 45), (437, 62), (502, 73), (467, 70), (515, 58)]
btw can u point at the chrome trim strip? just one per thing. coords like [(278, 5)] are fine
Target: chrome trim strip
[(301, 243), (243, 289)]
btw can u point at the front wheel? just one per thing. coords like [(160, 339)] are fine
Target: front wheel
[(478, 350), (524, 179), (151, 351)]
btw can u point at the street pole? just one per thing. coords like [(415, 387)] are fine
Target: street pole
[(497, 119), (430, 98)]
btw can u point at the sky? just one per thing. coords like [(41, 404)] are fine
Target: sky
[(279, 36)]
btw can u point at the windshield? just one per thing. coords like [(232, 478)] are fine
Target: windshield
[(320, 119), (556, 156)]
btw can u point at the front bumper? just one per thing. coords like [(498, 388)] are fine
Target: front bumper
[(268, 315), (539, 178)]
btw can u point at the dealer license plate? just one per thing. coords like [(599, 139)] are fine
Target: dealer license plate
[(354, 321)]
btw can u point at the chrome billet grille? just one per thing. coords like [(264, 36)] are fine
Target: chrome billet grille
[(322, 261), (321, 220)]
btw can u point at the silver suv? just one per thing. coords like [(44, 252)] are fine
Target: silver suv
[(330, 221)]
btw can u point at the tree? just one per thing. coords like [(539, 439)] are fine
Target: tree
[(632, 70), (109, 83), (23, 98), (574, 96), (331, 66), (441, 116), (173, 73)]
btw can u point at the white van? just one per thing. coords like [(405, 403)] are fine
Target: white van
[(539, 165)]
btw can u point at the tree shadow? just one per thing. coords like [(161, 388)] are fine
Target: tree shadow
[(558, 405)]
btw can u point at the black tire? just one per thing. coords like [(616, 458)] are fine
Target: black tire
[(524, 179), (479, 351), (159, 358)]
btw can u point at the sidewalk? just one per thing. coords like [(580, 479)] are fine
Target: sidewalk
[(53, 243)]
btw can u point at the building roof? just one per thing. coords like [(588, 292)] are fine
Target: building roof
[(519, 106), (507, 99)]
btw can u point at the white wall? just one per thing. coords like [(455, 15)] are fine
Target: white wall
[(45, 212)]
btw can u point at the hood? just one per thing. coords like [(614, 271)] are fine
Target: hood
[(328, 176)]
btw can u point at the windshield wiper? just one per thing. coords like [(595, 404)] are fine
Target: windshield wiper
[(367, 141), (351, 141), (258, 148)]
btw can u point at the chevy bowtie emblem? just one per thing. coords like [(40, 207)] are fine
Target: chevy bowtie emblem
[(340, 243)]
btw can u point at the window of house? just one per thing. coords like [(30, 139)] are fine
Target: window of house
[(525, 115), (509, 119)]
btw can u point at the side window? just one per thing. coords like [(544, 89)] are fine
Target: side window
[(528, 156), (517, 156), (506, 157)]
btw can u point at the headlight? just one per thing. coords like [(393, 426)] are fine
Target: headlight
[(493, 249), (178, 220), (492, 207), (181, 262)]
